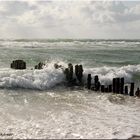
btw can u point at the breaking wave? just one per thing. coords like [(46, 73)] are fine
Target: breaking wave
[(50, 77)]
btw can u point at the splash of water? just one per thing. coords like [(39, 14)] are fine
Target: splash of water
[(49, 77)]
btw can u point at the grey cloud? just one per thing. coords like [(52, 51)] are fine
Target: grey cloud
[(13, 7), (127, 18), (82, 17), (110, 12)]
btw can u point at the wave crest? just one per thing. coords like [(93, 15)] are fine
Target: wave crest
[(49, 77)]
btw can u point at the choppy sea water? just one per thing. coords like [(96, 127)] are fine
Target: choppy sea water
[(34, 103)]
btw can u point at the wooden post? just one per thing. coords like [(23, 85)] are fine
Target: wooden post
[(24, 65), (89, 81), (98, 86), (76, 70), (131, 89), (126, 90), (18, 64), (70, 68), (122, 86), (36, 66), (102, 88), (106, 89), (39, 65), (96, 83), (114, 85), (96, 79), (66, 72), (80, 73), (137, 93), (117, 85), (110, 88)]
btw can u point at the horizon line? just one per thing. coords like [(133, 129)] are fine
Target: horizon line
[(69, 39)]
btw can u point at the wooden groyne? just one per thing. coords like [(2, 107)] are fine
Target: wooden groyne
[(118, 85), (74, 77)]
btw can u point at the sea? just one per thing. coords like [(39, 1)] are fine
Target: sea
[(37, 104)]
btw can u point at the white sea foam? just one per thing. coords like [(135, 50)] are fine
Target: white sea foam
[(106, 74), (49, 77), (68, 115), (32, 79)]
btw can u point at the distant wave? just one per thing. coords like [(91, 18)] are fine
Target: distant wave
[(68, 43), (70, 40)]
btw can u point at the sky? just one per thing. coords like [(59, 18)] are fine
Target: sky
[(70, 19)]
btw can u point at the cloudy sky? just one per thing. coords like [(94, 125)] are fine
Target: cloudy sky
[(70, 19)]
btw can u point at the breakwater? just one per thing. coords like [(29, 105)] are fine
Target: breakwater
[(74, 77)]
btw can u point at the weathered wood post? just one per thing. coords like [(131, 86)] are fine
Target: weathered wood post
[(70, 69), (114, 85), (66, 72), (89, 81), (96, 79), (76, 70), (39, 65), (102, 88), (18, 64), (106, 89), (137, 93), (80, 69), (126, 90), (24, 65), (36, 66), (131, 89), (117, 85), (110, 88), (122, 86), (96, 83)]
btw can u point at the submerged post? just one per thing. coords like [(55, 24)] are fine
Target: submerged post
[(131, 89), (106, 89), (102, 88), (96, 83), (80, 73), (18, 64), (114, 85), (67, 74), (110, 88), (70, 69), (137, 93), (122, 85), (96, 79), (117, 85), (39, 65), (89, 81), (126, 90), (76, 70)]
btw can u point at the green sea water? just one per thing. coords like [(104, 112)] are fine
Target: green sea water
[(34, 104), (93, 53)]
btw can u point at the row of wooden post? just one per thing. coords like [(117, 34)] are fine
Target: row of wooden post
[(118, 85), (69, 72)]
